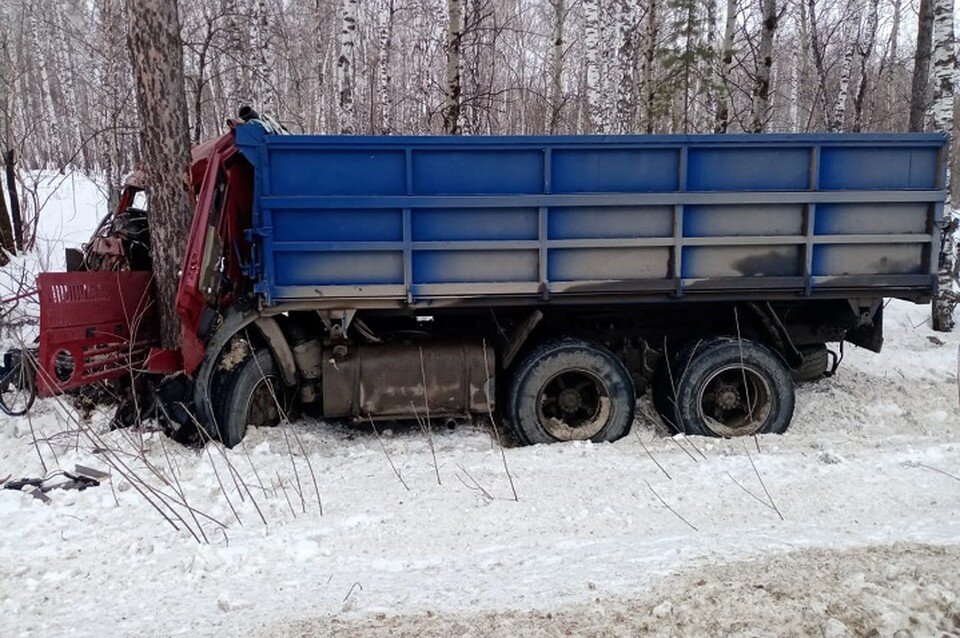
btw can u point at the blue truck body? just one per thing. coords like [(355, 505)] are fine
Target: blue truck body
[(420, 221)]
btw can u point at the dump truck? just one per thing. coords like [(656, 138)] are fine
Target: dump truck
[(551, 282)]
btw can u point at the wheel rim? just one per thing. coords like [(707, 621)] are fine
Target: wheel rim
[(735, 401), (16, 389), (573, 405), (263, 410)]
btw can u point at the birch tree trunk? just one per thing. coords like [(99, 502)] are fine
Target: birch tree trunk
[(45, 100), (921, 66), (941, 119), (556, 64), (591, 43), (453, 89), (706, 77), (865, 52), (761, 89), (346, 73), (384, 76), (153, 38), (320, 51), (722, 119), (651, 32), (264, 90), (627, 96), (850, 38)]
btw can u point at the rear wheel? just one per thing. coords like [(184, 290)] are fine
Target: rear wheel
[(250, 395), (732, 388), (571, 390), (816, 361)]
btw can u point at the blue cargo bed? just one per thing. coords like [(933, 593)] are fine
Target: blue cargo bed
[(350, 221)]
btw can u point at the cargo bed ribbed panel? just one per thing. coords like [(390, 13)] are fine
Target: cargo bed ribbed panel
[(424, 219)]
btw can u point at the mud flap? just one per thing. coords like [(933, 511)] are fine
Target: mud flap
[(869, 334)]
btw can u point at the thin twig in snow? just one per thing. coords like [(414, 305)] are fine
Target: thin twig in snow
[(743, 372), (475, 487), (313, 475), (762, 484), (296, 472), (742, 487), (285, 495), (426, 407), (493, 422), (387, 454), (675, 512), (930, 467), (352, 587), (645, 449)]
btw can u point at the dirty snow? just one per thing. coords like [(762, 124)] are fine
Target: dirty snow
[(868, 541)]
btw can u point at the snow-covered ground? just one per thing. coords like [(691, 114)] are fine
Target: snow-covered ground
[(650, 535)]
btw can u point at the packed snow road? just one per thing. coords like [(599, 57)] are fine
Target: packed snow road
[(652, 534)]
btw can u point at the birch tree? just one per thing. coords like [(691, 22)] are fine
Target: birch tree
[(591, 43), (157, 60), (453, 87), (851, 34), (944, 59), (384, 75), (650, 35), (761, 89), (346, 72), (722, 118), (559, 16)]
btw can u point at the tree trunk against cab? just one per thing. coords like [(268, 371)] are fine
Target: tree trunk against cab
[(156, 55), (941, 120), (761, 88), (865, 51), (921, 67)]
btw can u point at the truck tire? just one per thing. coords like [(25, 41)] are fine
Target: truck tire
[(816, 360), (250, 395), (730, 388), (571, 390)]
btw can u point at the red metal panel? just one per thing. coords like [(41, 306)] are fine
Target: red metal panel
[(93, 326)]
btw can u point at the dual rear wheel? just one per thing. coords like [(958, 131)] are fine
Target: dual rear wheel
[(574, 390)]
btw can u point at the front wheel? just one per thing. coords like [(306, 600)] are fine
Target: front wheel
[(17, 386), (728, 387), (571, 390), (250, 395)]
